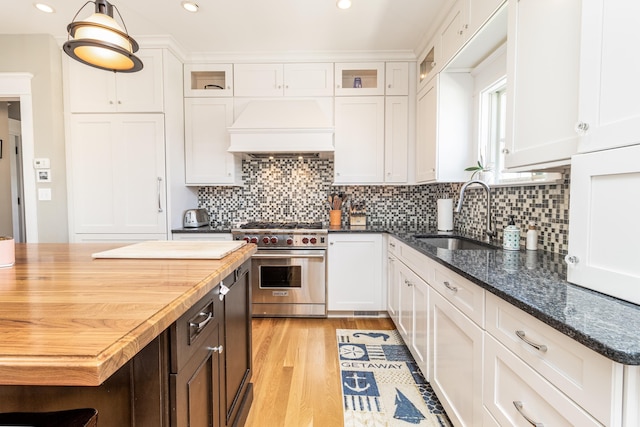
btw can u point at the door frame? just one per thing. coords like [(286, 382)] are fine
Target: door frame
[(18, 85)]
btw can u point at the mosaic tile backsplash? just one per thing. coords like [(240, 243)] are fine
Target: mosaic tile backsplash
[(297, 190)]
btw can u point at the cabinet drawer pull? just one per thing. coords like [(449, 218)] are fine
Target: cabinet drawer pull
[(539, 347), (217, 349), (450, 287), (204, 323), (519, 408)]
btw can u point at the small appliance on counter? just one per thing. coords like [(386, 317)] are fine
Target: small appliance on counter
[(194, 218)]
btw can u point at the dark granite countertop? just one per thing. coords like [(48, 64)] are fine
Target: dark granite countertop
[(535, 282), (214, 228)]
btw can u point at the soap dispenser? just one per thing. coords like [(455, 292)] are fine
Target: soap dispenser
[(511, 236)]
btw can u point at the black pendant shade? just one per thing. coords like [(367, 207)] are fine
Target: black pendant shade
[(100, 42)]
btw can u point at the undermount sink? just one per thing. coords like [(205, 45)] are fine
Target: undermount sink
[(452, 243)]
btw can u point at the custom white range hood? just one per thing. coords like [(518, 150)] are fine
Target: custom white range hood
[(282, 127)]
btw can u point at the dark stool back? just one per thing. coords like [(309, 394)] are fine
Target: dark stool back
[(84, 417)]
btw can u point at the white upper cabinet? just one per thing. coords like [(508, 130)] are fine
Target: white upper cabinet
[(98, 91), (208, 80), (207, 161), (397, 78), (359, 78), (310, 79), (359, 139), (429, 63), (604, 189), (478, 12), (443, 129), (542, 84), (396, 141), (258, 79), (451, 32), (609, 85)]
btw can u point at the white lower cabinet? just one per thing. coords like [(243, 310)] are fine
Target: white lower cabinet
[(393, 290), (456, 362), (518, 396), (588, 378), (355, 272), (413, 315)]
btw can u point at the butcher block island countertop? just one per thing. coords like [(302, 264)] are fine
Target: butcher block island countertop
[(69, 319)]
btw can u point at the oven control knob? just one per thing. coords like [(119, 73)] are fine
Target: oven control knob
[(274, 240), (265, 240), (305, 240), (254, 240), (289, 241), (313, 240), (246, 239)]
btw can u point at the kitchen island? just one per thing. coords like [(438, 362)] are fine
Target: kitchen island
[(77, 331)]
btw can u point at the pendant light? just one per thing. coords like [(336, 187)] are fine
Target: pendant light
[(99, 41)]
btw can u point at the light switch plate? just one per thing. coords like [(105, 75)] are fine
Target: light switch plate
[(41, 163), (44, 194)]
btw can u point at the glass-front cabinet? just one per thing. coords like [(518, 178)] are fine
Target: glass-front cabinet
[(359, 78), (208, 80)]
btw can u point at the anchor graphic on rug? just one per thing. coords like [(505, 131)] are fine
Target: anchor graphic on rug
[(356, 387), (406, 410)]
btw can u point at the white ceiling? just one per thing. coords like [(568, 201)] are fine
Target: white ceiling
[(242, 26)]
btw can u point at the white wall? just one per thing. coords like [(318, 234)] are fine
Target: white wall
[(40, 55)]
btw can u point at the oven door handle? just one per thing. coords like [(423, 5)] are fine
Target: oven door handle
[(288, 255)]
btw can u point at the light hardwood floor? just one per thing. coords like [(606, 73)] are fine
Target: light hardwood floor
[(295, 371)]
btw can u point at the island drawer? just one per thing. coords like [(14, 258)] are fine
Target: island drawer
[(188, 335)]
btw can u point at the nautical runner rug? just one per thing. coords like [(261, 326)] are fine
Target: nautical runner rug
[(382, 384)]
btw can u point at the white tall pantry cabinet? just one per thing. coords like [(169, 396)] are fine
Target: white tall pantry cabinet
[(121, 129)]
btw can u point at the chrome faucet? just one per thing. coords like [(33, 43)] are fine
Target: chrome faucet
[(489, 232)]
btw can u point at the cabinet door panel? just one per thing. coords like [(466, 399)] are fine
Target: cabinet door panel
[(609, 84), (207, 140), (396, 140), (90, 90), (604, 261), (397, 78), (359, 139), (354, 272), (542, 84), (426, 132), (117, 173), (258, 79), (141, 92), (311, 79), (456, 363)]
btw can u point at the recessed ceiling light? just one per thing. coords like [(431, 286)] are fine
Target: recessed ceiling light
[(344, 4), (190, 6), (44, 7)]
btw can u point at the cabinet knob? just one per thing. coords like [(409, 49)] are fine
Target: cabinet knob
[(505, 151), (111, 102), (228, 87), (571, 260), (389, 86), (460, 32), (581, 128), (119, 102), (217, 349), (338, 86)]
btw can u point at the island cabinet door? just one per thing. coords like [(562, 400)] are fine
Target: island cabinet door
[(237, 348), (195, 390)]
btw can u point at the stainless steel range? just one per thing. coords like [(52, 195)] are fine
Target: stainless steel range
[(288, 272)]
